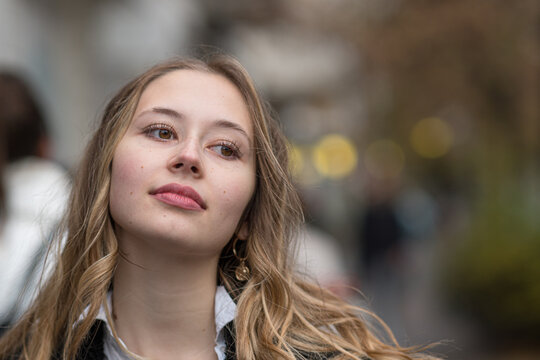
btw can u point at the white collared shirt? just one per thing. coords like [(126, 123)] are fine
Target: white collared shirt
[(224, 312)]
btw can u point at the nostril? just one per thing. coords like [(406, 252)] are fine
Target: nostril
[(178, 166), (194, 170)]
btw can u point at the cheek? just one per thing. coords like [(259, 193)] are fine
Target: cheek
[(236, 194), (128, 170), (126, 175), (122, 170), (121, 178)]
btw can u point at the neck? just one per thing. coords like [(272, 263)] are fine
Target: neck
[(163, 304)]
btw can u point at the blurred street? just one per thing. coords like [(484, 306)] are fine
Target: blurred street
[(414, 130)]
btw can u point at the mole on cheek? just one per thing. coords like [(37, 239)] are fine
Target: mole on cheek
[(131, 193), (142, 167)]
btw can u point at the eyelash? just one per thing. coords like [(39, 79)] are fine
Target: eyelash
[(158, 127), (236, 154), (233, 146)]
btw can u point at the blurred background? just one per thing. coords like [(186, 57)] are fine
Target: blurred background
[(414, 128)]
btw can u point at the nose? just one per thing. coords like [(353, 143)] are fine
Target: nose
[(186, 158)]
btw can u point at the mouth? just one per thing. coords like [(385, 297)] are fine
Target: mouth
[(180, 196)]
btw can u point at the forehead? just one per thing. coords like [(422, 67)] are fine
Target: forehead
[(196, 89), (190, 78)]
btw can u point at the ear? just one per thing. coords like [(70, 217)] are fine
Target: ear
[(243, 233)]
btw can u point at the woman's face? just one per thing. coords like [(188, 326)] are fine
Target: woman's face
[(184, 172)]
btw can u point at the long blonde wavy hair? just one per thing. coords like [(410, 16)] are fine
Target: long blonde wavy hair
[(279, 315)]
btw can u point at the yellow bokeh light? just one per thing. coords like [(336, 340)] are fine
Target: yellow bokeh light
[(302, 170), (432, 138), (384, 159), (296, 160), (334, 156)]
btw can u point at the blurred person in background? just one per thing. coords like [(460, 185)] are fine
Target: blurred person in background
[(383, 260), (320, 258), (381, 239), (33, 194), (2, 162)]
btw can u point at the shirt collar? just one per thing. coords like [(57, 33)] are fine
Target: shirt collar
[(224, 309), (224, 312)]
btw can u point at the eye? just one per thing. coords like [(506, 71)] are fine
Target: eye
[(160, 132), (227, 150), (165, 134)]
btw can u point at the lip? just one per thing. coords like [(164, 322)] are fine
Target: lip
[(180, 196)]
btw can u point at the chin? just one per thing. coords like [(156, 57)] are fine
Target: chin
[(187, 245)]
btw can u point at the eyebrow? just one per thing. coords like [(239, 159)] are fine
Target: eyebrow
[(230, 125), (164, 111), (221, 123)]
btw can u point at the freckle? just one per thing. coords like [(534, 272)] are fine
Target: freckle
[(131, 222), (131, 193), (142, 167), (164, 216), (224, 191)]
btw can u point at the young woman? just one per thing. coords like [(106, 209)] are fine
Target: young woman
[(176, 243)]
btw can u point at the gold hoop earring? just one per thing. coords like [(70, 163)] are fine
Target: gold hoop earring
[(242, 272)]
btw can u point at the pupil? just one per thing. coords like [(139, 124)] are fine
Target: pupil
[(227, 151), (164, 134)]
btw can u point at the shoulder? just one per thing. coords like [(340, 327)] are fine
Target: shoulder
[(315, 356), (321, 356), (231, 347), (92, 346), (90, 349)]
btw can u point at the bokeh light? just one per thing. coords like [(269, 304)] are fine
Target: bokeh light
[(300, 167), (432, 137), (384, 159), (296, 160), (334, 156)]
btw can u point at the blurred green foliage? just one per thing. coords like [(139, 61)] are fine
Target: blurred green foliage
[(494, 274)]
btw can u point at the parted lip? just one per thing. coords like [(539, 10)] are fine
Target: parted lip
[(182, 191)]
